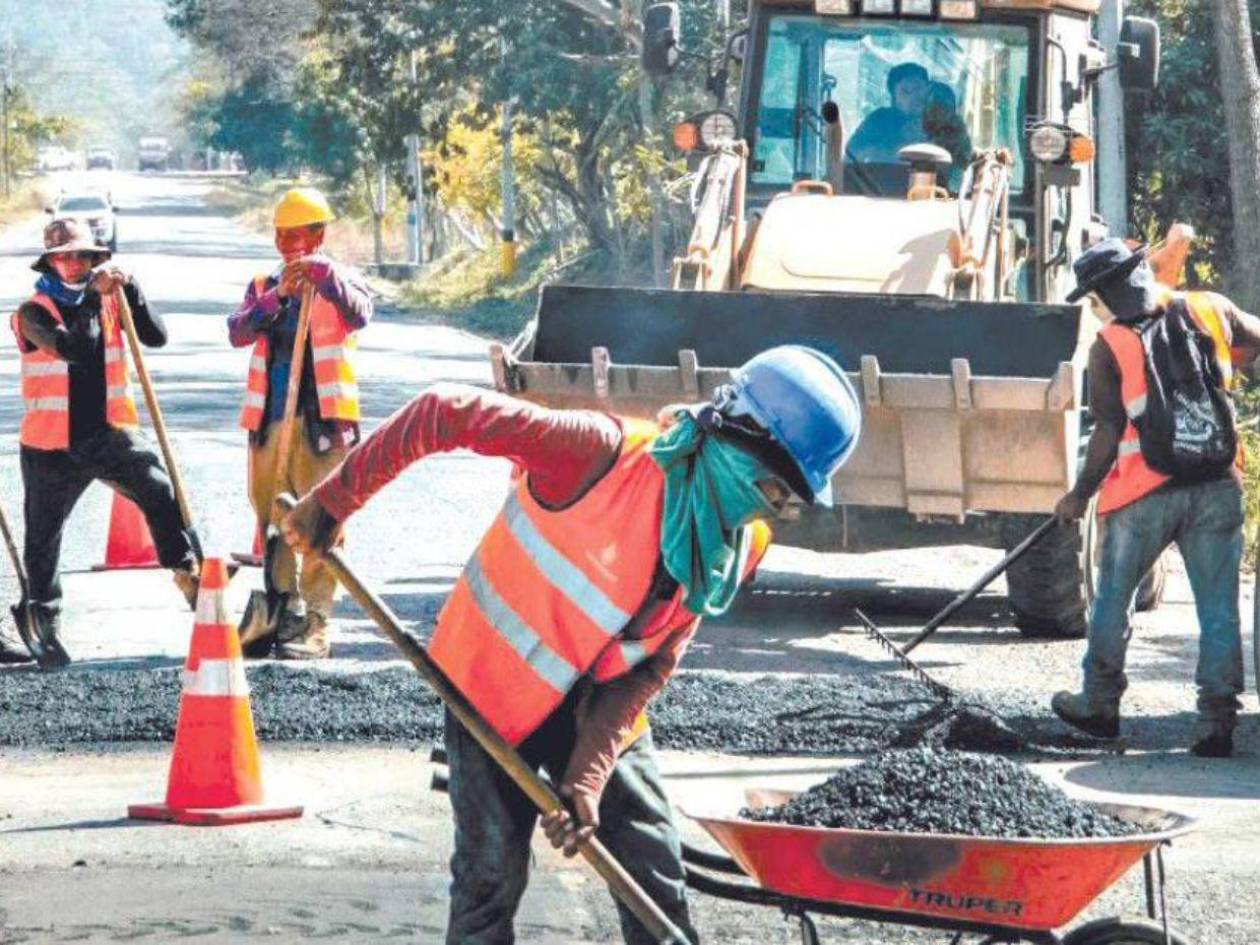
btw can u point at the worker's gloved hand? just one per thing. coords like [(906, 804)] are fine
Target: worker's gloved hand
[(563, 830), (309, 528), (108, 278), (309, 271), (1070, 508)]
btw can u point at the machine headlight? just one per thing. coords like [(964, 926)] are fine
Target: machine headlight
[(1049, 143), (959, 10), (916, 7), (716, 129), (833, 7), (879, 7)]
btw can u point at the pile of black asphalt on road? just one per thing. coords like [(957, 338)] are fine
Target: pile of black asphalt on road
[(926, 790)]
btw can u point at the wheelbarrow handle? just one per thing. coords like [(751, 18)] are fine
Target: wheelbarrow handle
[(527, 779), (984, 581)]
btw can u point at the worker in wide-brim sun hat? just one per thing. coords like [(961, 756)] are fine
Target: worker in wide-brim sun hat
[(80, 422), (576, 608), (328, 413)]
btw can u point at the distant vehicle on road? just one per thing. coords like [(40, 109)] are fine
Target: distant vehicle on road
[(54, 157), (96, 209), (154, 153), (101, 157)]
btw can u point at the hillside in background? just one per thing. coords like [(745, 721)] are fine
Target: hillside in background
[(120, 77)]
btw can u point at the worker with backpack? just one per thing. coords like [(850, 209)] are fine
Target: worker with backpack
[(1165, 460)]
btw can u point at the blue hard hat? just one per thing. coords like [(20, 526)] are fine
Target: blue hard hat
[(805, 402)]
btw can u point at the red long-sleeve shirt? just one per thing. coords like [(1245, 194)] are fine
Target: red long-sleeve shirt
[(564, 453)]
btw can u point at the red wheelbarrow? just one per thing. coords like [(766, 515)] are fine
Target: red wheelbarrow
[(1003, 890)]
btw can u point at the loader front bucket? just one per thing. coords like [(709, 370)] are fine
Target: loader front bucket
[(968, 406)]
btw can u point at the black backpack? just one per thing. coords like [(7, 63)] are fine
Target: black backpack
[(1187, 431)]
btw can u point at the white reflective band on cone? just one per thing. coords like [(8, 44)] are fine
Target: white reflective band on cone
[(211, 610), (216, 678)]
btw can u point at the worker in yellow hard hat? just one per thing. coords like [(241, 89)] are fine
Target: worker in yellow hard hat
[(327, 419)]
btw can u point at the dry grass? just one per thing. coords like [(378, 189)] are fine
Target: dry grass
[(27, 199)]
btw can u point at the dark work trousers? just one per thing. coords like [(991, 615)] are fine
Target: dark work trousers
[(494, 822), (54, 480)]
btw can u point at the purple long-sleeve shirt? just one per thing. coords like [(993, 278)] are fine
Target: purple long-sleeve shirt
[(268, 313)]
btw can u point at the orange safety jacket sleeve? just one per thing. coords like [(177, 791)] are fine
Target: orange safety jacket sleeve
[(1242, 329), (76, 343), (564, 452), (612, 709)]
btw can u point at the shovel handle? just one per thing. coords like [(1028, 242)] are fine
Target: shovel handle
[(526, 778), (297, 365), (985, 580), (18, 567), (151, 401)]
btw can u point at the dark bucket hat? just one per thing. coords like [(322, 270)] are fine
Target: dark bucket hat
[(67, 235), (1103, 264)]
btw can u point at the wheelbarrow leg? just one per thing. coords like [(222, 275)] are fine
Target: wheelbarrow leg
[(1163, 894), (809, 931)]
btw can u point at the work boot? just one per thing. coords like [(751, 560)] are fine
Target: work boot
[(311, 644), (13, 650), (1078, 711), (1216, 745), (45, 627), (189, 584)]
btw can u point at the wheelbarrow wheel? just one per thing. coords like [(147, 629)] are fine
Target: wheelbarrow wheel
[(1118, 931)]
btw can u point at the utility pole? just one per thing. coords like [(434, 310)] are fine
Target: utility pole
[(1112, 166), (508, 184), (415, 201), (6, 93), (724, 16)]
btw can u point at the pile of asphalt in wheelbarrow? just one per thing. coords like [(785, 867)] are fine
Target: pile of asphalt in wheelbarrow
[(926, 790)]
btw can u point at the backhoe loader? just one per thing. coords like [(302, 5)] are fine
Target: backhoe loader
[(903, 185)]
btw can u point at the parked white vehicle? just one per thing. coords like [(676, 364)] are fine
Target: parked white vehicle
[(96, 209)]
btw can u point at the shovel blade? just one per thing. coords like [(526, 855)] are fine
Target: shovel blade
[(256, 629)]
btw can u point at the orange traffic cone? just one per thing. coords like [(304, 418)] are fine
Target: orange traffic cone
[(215, 775), (130, 545)]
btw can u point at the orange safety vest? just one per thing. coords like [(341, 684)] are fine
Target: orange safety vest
[(331, 346), (546, 596), (46, 382), (1130, 478)]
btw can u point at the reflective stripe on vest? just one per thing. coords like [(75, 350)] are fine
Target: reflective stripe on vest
[(547, 591), (331, 348), (1130, 478), (46, 383), (624, 654)]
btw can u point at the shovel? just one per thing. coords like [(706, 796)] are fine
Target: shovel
[(159, 423), (45, 647), (622, 884), (261, 620)]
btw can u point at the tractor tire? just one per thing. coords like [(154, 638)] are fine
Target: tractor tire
[(1118, 931), (1048, 586), (1051, 588)]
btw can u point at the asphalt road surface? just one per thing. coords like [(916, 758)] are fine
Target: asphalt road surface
[(368, 860)]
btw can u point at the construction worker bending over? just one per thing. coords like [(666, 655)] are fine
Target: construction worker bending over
[(1146, 510), (80, 423), (618, 536), (327, 419)]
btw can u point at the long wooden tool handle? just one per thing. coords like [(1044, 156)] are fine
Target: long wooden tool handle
[(18, 568), (986, 579), (151, 401), (527, 779), (297, 363)]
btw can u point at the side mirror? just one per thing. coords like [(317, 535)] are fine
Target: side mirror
[(48, 210), (738, 47), (662, 26), (1139, 54)]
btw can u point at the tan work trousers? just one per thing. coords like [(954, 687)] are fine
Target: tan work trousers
[(316, 584)]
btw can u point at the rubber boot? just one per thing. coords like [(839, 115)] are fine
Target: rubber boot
[(47, 629)]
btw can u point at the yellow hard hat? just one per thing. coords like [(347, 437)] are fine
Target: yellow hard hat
[(302, 206)]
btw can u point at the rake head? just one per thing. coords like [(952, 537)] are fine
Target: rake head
[(914, 669)]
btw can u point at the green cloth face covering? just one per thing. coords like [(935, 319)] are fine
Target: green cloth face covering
[(711, 496)]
